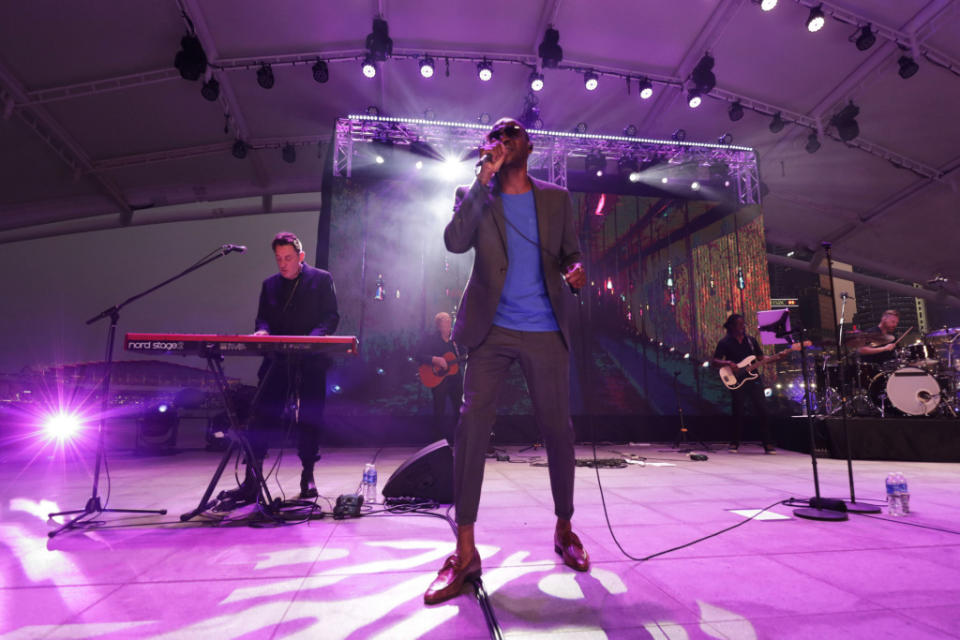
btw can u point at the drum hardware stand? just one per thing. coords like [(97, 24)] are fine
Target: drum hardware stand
[(94, 506), (239, 443), (852, 505)]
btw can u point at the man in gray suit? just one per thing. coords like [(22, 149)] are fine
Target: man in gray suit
[(515, 308)]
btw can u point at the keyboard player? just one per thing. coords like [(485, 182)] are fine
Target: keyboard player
[(298, 300)]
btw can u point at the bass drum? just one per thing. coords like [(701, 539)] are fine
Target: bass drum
[(911, 391)]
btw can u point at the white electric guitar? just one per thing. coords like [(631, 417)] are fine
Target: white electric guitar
[(746, 369)]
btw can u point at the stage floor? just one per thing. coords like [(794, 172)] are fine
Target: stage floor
[(364, 578)]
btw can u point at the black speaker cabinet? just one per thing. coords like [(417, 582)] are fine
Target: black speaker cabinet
[(426, 474)]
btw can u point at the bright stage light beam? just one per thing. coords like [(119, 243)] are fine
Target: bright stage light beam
[(62, 426)]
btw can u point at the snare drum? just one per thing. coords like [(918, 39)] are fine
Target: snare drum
[(918, 354), (910, 390)]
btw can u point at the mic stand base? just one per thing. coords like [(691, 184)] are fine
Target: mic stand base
[(860, 507), (810, 513)]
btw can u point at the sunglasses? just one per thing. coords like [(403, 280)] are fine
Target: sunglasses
[(507, 131)]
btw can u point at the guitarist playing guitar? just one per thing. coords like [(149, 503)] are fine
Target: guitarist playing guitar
[(732, 349), (440, 370)]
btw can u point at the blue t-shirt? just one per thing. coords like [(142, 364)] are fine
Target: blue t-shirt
[(524, 304)]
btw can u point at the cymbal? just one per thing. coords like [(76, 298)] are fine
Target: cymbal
[(857, 339), (948, 332)]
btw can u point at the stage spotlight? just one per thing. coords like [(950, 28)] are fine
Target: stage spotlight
[(265, 76), (630, 131), (369, 66), (419, 165), (736, 111), (61, 426), (429, 114), (726, 138), (908, 67), (706, 363), (813, 144), (846, 123), (484, 118), (590, 80), (484, 70), (378, 41), (865, 38), (321, 73), (426, 67), (695, 186), (549, 50), (580, 128), (289, 153), (664, 180), (157, 429), (628, 166), (635, 176), (679, 135), (336, 388), (766, 5), (210, 90), (536, 81), (530, 118), (379, 159), (702, 74), (646, 89), (694, 99), (595, 163), (190, 61), (816, 20), (239, 150), (777, 124), (373, 110)]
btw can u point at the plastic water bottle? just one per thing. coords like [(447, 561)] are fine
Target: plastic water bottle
[(369, 487), (894, 503), (904, 494)]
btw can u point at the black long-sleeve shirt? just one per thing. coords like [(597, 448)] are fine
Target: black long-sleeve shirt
[(304, 306)]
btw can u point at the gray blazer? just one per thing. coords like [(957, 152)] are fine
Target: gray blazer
[(478, 223)]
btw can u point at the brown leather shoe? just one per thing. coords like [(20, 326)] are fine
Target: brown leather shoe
[(568, 545), (449, 580)]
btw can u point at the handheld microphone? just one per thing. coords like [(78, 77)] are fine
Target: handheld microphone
[(230, 248), (487, 157)]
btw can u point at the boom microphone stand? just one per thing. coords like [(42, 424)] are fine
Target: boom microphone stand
[(94, 506), (820, 508), (852, 505)]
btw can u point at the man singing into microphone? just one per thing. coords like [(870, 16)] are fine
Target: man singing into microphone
[(300, 300), (514, 308)]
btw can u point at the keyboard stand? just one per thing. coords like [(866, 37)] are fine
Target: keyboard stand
[(239, 443)]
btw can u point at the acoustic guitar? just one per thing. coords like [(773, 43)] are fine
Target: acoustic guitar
[(432, 376), (746, 369)]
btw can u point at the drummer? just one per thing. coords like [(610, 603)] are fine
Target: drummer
[(881, 342)]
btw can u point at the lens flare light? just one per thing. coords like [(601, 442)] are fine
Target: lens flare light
[(62, 426)]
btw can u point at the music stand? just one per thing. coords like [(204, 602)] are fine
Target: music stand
[(818, 506)]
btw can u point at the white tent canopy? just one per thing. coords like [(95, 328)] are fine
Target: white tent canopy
[(98, 129)]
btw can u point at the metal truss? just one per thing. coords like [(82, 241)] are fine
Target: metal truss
[(552, 149)]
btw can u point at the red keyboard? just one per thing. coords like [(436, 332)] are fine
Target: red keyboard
[(203, 344)]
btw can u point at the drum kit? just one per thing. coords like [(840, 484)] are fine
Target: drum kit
[(920, 379)]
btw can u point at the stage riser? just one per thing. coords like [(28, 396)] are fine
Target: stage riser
[(918, 439)]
